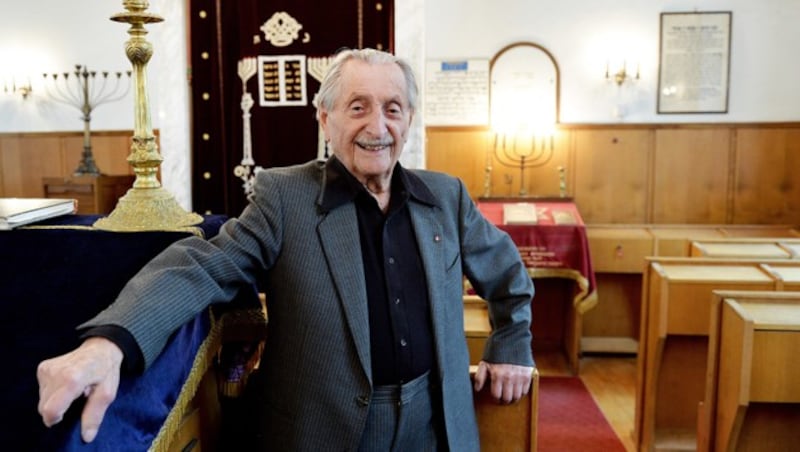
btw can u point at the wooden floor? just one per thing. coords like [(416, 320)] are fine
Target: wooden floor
[(612, 381)]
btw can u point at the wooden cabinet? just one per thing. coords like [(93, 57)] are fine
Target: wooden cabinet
[(752, 393), (618, 255), (619, 249), (95, 194)]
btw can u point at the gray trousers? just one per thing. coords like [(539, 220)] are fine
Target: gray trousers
[(404, 418)]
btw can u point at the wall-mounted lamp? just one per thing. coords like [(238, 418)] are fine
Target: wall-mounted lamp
[(24, 90), (622, 75)]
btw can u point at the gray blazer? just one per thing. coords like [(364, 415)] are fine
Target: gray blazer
[(317, 357)]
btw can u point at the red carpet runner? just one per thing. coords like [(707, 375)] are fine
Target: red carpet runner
[(570, 420)]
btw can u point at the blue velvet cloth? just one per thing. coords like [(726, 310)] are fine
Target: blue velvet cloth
[(52, 280)]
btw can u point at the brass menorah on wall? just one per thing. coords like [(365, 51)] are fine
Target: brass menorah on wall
[(523, 152)]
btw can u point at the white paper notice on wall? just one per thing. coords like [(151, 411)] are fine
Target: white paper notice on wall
[(457, 92)]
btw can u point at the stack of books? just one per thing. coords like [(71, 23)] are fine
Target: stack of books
[(15, 212)]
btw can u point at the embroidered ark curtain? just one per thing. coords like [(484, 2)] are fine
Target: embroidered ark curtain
[(255, 68)]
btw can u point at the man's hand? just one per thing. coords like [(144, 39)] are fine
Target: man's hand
[(91, 370), (509, 382)]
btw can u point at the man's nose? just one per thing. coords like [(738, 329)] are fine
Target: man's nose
[(377, 123)]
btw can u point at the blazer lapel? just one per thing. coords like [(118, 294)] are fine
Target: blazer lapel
[(428, 229), (338, 234)]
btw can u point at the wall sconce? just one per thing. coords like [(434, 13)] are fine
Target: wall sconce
[(622, 75), (25, 90)]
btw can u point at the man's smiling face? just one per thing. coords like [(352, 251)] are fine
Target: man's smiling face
[(368, 124)]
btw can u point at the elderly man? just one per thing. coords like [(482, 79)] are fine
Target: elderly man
[(362, 264)]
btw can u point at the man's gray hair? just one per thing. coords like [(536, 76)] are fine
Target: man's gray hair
[(331, 85)]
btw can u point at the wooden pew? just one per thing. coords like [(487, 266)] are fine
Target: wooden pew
[(501, 427), (676, 308), (618, 252), (746, 248), (752, 390)]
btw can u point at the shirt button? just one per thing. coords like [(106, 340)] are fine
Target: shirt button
[(403, 342), (362, 400), (437, 238), (396, 301), (391, 260)]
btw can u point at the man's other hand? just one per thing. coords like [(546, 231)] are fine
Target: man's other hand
[(509, 382)]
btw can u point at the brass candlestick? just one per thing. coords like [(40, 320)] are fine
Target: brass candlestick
[(147, 205)]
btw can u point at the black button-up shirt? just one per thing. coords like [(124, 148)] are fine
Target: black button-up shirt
[(401, 338)]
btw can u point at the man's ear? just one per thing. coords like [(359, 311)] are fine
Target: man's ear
[(323, 122), (410, 122)]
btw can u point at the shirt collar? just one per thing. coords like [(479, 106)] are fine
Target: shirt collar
[(340, 187)]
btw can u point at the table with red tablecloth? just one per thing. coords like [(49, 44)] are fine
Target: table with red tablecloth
[(553, 245)]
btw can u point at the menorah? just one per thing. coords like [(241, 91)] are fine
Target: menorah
[(80, 89), (516, 151)]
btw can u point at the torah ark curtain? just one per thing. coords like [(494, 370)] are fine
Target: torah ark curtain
[(255, 68)]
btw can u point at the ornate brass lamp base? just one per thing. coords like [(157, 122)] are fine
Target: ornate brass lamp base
[(148, 209)]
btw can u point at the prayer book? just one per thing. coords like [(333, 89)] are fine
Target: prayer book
[(15, 212), (519, 213)]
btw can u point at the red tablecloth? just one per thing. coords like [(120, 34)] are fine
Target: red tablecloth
[(555, 247)]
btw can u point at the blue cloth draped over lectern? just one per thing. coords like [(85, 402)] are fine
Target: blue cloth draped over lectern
[(53, 277)]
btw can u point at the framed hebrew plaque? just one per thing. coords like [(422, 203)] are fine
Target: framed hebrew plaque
[(694, 64)]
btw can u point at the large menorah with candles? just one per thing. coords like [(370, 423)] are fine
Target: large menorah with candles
[(86, 90), (522, 152), (147, 205)]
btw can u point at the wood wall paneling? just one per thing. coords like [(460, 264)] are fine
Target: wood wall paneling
[(611, 174), (466, 153), (462, 153), (541, 175), (646, 173), (27, 158), (690, 175), (767, 178)]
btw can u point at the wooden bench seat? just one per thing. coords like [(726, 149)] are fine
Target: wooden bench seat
[(501, 427), (752, 389), (673, 347), (748, 248), (618, 254)]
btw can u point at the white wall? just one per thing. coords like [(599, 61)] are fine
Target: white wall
[(41, 36), (583, 34), (52, 35)]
